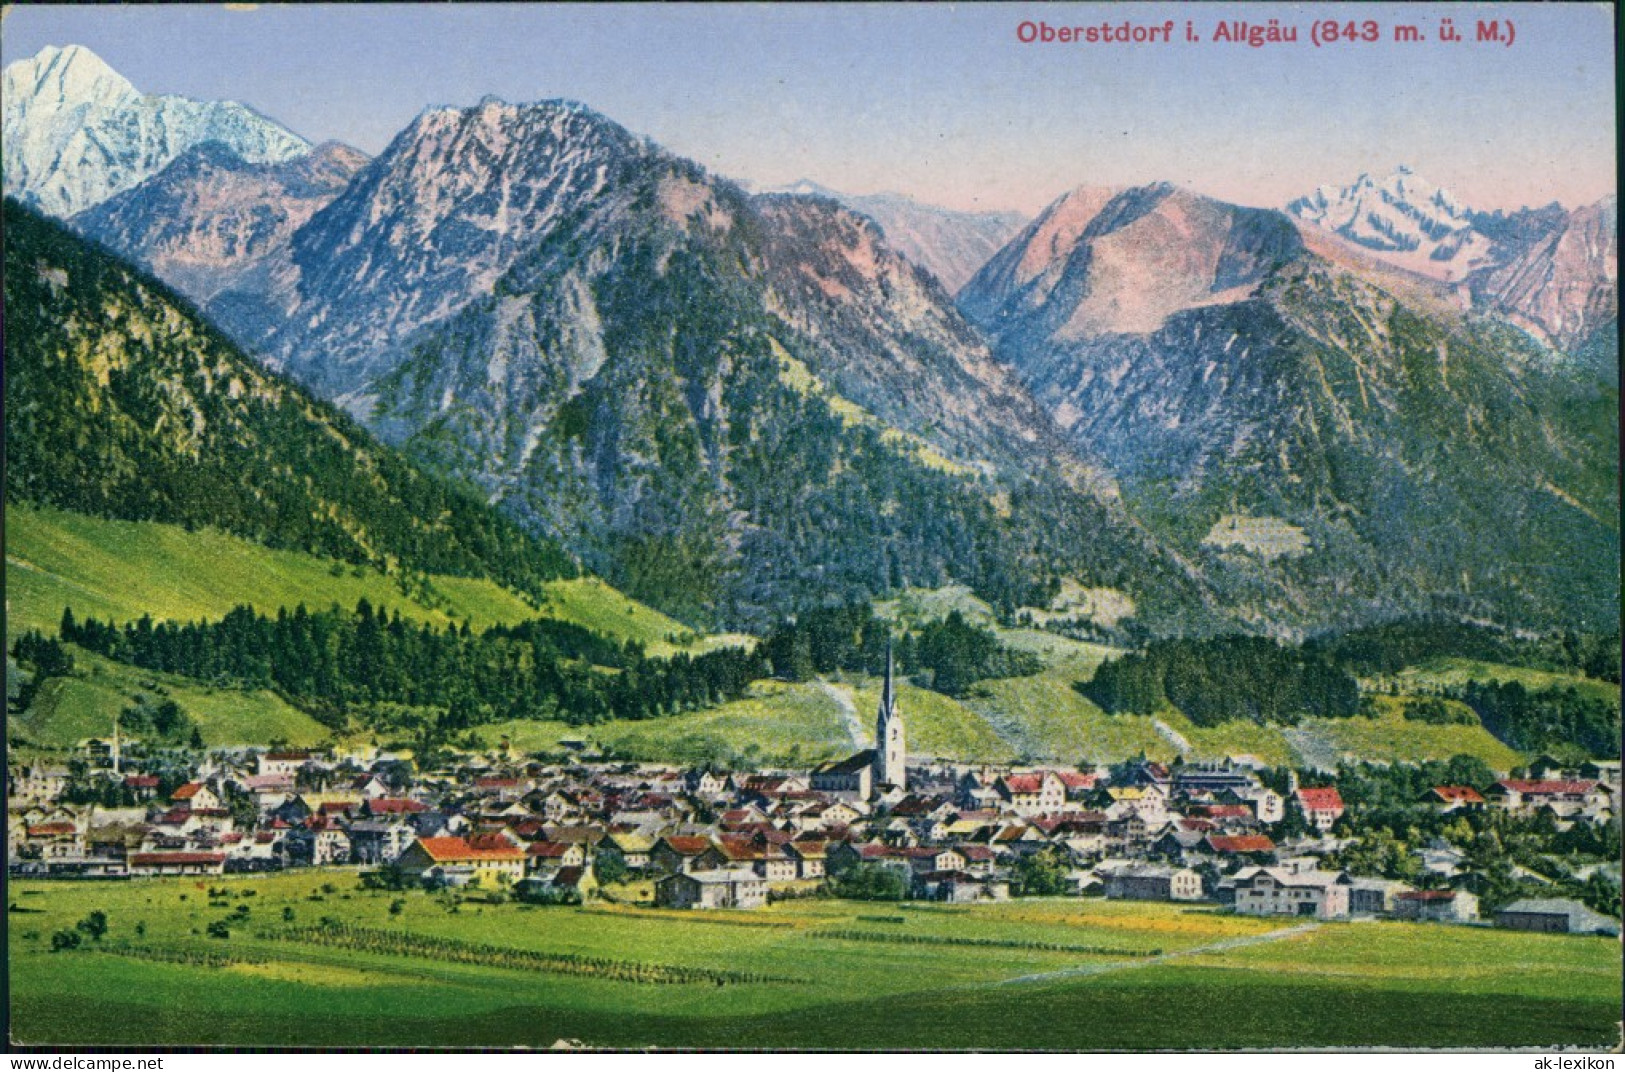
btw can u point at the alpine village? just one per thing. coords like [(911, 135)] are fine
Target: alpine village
[(524, 589)]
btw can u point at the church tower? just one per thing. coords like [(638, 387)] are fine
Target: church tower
[(890, 768)]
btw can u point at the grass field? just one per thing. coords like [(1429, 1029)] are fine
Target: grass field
[(782, 722), (1220, 982), (936, 725), (1390, 738), (1266, 537), (120, 570), (1438, 673), (123, 569), (1044, 717), (68, 710), (1230, 738)]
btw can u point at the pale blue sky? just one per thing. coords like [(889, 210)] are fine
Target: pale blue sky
[(941, 102)]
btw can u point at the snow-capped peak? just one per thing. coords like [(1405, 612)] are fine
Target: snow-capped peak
[(1404, 215), (68, 76), (76, 132)]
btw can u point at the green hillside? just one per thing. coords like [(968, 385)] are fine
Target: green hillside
[(937, 725), (120, 570), (1453, 673), (70, 709), (1044, 717), (1391, 738), (779, 723), (122, 402)]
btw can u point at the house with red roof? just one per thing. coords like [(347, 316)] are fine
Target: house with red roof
[(144, 786), (54, 840), (197, 796), (1453, 797), (1032, 793), (1238, 844), (1077, 784), (675, 853), (1322, 807), (452, 861), (147, 864), (547, 857), (391, 807), (1566, 798), (809, 856)]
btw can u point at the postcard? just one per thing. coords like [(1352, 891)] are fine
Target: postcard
[(961, 528)]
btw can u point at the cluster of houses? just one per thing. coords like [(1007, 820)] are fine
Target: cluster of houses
[(714, 839)]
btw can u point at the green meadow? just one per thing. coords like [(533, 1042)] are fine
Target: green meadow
[(1042, 974), (71, 709), (1390, 738), (782, 722), (120, 570), (1447, 672)]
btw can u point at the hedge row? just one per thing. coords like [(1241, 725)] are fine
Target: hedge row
[(991, 943), (450, 950), (196, 958)]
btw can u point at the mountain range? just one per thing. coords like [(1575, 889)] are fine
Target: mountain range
[(1315, 440), (1377, 402), (1551, 271), (122, 402)]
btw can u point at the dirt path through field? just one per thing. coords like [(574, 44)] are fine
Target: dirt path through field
[(849, 714), (1172, 736), (1220, 946)]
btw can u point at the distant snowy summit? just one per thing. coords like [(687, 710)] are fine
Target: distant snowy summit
[(1552, 271), (1404, 216), (76, 132)]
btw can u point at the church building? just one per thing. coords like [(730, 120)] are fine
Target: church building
[(867, 773), (889, 767)]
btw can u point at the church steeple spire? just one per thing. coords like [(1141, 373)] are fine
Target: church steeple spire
[(888, 698), (890, 766)]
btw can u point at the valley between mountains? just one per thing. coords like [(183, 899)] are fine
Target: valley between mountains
[(525, 363)]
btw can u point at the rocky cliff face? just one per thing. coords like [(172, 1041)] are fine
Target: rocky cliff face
[(76, 132), (1557, 276), (1104, 262), (1323, 446), (950, 245), (729, 403), (219, 229), (430, 225)]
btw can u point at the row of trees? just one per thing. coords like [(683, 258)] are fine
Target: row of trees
[(949, 654), (329, 661), (1389, 648), (1226, 679), (1546, 719)]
